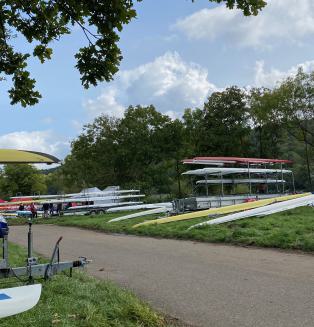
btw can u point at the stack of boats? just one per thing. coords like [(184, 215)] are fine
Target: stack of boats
[(97, 201), (92, 200), (217, 181), (269, 189), (263, 178)]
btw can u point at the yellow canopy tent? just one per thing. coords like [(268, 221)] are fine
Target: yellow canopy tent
[(21, 156)]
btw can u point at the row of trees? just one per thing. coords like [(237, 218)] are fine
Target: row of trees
[(21, 179), (144, 149)]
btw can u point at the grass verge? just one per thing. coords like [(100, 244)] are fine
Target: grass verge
[(293, 229), (80, 301)]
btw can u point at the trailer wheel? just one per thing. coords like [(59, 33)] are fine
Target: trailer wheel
[(101, 212), (93, 213)]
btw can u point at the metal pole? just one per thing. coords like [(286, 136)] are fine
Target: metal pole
[(267, 190), (222, 184), (192, 185), (5, 251), (206, 185), (283, 184), (30, 240), (250, 184), (293, 183)]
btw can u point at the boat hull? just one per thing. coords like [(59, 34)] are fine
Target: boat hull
[(18, 299)]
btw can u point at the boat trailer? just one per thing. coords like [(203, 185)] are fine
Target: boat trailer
[(33, 269)]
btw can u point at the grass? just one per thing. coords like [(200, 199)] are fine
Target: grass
[(292, 229), (81, 301)]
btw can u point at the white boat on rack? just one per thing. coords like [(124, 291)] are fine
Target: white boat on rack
[(227, 171), (88, 201), (85, 193), (241, 181)]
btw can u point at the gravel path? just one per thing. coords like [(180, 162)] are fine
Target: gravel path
[(200, 284)]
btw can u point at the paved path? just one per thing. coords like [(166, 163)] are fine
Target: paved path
[(201, 284)]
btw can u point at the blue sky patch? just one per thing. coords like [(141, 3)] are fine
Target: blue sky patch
[(175, 54)]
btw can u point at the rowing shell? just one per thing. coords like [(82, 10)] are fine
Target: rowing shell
[(241, 181), (141, 206), (18, 299), (226, 171), (140, 214)]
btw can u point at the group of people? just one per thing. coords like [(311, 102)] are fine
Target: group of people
[(48, 209)]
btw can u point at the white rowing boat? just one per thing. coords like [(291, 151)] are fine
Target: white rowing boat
[(18, 299), (105, 205), (141, 206), (140, 214), (241, 181), (98, 199), (81, 194), (227, 171)]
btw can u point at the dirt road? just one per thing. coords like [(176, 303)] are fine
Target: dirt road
[(201, 284)]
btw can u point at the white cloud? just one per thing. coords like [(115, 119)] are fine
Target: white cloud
[(168, 82), (41, 141), (280, 20), (105, 103), (273, 76)]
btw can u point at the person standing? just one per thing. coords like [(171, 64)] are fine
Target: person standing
[(59, 208), (45, 209), (51, 209), (33, 210)]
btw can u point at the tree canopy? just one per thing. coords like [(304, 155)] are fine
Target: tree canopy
[(21, 178), (135, 150), (144, 148), (226, 113), (42, 22)]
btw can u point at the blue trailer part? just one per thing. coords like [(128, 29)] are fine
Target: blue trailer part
[(4, 228)]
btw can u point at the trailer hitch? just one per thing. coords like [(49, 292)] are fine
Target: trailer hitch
[(32, 268)]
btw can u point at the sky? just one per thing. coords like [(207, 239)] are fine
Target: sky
[(176, 53)]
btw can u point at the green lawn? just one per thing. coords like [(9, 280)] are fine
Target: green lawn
[(80, 301), (292, 229)]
